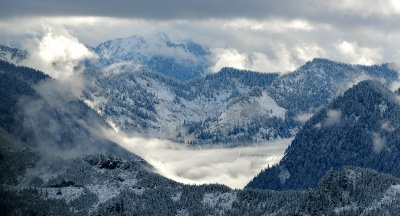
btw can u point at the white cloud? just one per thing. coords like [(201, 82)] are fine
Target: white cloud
[(333, 118), (357, 54), (387, 126), (379, 143), (57, 54), (366, 8), (120, 67), (283, 175), (273, 25), (234, 167), (227, 58), (267, 44), (307, 52), (303, 117), (255, 61)]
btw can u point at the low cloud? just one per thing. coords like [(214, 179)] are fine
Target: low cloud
[(333, 117), (283, 175), (387, 126), (120, 67), (378, 143), (234, 167), (256, 61), (357, 54), (303, 117), (57, 54), (227, 58)]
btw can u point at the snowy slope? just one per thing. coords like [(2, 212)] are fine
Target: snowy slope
[(226, 107), (12, 55), (157, 106), (181, 60)]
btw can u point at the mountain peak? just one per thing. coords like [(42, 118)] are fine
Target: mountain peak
[(179, 59)]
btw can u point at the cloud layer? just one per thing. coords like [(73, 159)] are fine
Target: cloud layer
[(234, 167), (278, 43), (194, 9)]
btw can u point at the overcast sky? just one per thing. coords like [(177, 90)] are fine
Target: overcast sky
[(264, 35)]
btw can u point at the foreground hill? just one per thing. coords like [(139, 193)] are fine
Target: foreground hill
[(360, 128), (108, 185)]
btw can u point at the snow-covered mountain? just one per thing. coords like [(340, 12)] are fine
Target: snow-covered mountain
[(12, 55), (36, 114), (230, 106), (135, 90), (319, 81), (360, 128), (226, 107), (182, 60)]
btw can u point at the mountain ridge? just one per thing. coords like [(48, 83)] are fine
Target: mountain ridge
[(359, 128)]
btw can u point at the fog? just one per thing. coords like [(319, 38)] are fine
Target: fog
[(232, 166)]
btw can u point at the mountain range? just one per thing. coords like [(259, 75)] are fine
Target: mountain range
[(55, 159), (231, 106)]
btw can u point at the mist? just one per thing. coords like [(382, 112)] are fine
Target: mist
[(232, 166)]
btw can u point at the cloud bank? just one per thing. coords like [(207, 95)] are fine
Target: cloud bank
[(234, 167), (273, 43)]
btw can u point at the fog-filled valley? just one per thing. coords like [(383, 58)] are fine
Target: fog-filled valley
[(218, 108)]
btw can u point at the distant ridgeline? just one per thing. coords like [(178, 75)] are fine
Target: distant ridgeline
[(181, 60), (231, 106), (137, 86), (360, 128)]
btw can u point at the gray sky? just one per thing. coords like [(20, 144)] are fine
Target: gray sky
[(264, 35)]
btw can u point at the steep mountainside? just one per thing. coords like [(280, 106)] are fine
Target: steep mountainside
[(360, 128), (37, 110)]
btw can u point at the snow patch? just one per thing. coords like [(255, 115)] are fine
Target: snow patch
[(333, 118), (391, 194), (379, 143), (67, 193), (176, 197), (243, 112), (220, 201), (303, 117), (283, 174), (104, 192)]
